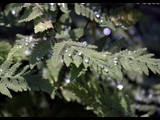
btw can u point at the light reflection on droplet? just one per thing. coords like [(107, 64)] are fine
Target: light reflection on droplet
[(13, 12), (44, 38), (67, 80), (38, 58), (86, 60), (101, 66), (97, 14), (84, 43), (80, 53), (51, 4), (119, 87), (69, 55)]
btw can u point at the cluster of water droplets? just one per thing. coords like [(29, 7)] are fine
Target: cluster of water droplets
[(61, 4), (115, 60)]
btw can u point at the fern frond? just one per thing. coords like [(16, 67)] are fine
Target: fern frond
[(4, 50), (124, 16), (30, 14), (91, 14), (80, 53), (36, 82), (10, 80), (96, 97), (138, 61), (13, 6), (40, 50), (42, 25)]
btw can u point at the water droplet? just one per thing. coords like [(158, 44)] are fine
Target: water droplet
[(19, 47), (116, 24), (59, 4), (80, 53), (8, 25), (84, 43), (115, 58), (63, 5), (1, 70), (82, 3), (13, 12), (138, 97), (106, 70), (44, 38), (109, 79), (107, 31), (51, 4), (27, 44), (69, 55), (27, 52), (67, 81), (150, 96), (30, 38), (9, 85), (97, 14), (101, 66), (119, 87), (101, 20), (86, 60), (66, 51), (115, 62), (38, 58)]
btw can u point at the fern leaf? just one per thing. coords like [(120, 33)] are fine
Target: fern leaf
[(77, 59), (96, 98), (58, 50), (13, 6), (36, 82), (40, 50), (40, 26), (30, 14)]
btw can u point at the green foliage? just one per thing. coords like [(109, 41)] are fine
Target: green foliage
[(54, 58), (4, 49), (97, 97)]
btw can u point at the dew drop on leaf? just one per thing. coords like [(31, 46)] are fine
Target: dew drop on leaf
[(38, 58), (66, 51), (101, 19), (51, 4), (97, 14), (106, 70), (120, 87), (80, 53), (67, 81), (84, 43), (44, 38), (13, 12), (101, 66), (86, 60), (69, 55)]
